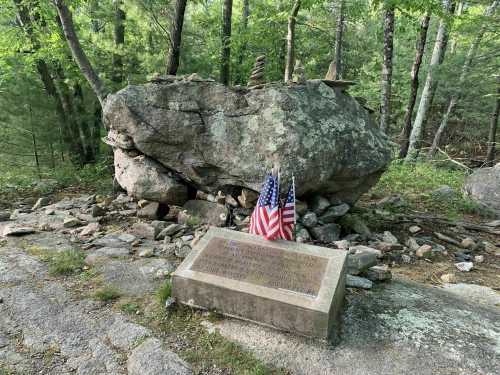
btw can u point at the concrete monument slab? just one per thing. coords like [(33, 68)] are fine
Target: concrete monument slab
[(286, 285)]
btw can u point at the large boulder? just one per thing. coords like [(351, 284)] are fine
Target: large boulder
[(213, 136), (144, 178), (483, 186)]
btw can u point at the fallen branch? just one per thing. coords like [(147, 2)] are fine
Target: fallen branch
[(441, 220), (446, 238)]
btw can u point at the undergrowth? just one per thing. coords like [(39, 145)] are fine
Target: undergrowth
[(416, 184), (66, 262), (107, 294), (26, 181), (204, 350), (164, 292)]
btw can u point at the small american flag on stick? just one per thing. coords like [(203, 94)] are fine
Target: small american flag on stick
[(288, 214), (266, 218)]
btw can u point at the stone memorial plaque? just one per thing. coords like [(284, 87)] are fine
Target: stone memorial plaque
[(287, 285), (262, 265)]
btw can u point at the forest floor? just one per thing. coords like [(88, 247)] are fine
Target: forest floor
[(58, 315)]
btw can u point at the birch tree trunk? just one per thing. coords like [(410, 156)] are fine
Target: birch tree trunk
[(490, 156), (463, 75), (430, 84), (119, 36), (226, 42), (385, 113), (174, 53), (290, 39), (420, 49), (339, 30), (78, 54)]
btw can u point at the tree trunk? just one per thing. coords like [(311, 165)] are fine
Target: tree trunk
[(35, 147), (430, 84), (338, 40), (78, 54), (46, 78), (463, 75), (245, 13), (458, 13), (119, 36), (385, 115), (226, 42), (420, 49), (490, 156), (290, 39), (176, 37)]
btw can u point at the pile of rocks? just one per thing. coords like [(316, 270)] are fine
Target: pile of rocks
[(257, 74)]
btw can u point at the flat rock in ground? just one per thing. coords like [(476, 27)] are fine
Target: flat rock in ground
[(104, 253), (475, 293), (390, 330), (17, 230), (144, 230), (357, 282), (150, 358), (111, 240), (134, 278)]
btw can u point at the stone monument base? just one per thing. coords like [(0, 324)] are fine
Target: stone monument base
[(287, 285)]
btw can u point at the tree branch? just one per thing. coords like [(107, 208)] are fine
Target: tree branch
[(78, 54)]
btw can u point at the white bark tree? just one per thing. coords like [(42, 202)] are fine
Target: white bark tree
[(430, 84)]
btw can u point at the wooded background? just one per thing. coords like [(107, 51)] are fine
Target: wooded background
[(429, 69)]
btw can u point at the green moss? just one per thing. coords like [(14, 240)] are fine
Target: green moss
[(193, 221), (107, 294)]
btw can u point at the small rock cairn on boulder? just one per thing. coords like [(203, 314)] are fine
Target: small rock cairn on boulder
[(257, 75)]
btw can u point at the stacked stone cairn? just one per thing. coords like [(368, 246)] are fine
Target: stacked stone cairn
[(299, 75), (257, 75)]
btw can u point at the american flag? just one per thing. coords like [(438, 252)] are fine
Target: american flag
[(266, 220), (288, 215)]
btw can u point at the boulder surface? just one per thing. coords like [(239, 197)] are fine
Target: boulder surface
[(483, 186), (212, 136)]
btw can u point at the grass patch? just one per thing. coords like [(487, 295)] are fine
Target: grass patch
[(204, 351), (129, 307), (62, 263), (416, 182), (164, 292), (107, 294), (68, 262)]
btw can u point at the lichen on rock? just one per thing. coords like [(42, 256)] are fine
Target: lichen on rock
[(210, 136)]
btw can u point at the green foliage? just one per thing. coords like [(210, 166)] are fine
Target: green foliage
[(193, 221), (107, 294), (129, 307), (416, 182), (206, 350), (164, 292), (25, 180), (65, 263)]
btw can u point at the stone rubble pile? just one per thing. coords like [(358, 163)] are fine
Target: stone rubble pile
[(151, 230)]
